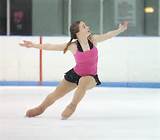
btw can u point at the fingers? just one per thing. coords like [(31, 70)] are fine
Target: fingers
[(21, 44), (125, 24), (25, 43)]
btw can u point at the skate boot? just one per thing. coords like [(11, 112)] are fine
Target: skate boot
[(69, 110)]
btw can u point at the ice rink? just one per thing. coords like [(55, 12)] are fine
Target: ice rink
[(103, 114)]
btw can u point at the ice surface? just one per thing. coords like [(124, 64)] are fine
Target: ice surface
[(103, 114)]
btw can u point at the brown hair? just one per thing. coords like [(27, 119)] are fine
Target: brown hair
[(74, 28)]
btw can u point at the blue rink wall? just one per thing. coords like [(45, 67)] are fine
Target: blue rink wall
[(104, 84), (123, 62)]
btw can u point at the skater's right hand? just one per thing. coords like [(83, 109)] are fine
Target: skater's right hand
[(27, 44)]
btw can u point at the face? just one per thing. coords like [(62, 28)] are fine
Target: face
[(84, 29)]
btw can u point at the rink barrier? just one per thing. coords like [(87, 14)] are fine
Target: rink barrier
[(135, 59), (104, 84)]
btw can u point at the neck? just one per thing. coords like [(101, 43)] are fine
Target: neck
[(83, 40)]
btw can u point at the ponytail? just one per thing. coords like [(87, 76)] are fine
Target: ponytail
[(66, 48)]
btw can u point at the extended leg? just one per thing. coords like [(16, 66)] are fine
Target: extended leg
[(85, 83), (63, 88)]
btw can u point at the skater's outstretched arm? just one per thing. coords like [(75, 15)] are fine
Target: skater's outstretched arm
[(52, 47), (102, 37)]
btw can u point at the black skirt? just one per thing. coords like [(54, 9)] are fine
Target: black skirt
[(73, 77)]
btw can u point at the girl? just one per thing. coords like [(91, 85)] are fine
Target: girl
[(84, 75)]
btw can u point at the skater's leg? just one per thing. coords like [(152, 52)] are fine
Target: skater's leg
[(63, 88), (85, 83)]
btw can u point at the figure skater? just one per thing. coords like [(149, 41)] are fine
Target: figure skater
[(83, 46)]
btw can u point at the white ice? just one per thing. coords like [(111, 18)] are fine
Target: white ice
[(103, 114)]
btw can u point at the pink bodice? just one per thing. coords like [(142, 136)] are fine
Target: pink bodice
[(86, 62)]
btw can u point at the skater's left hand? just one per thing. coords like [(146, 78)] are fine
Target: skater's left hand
[(123, 26)]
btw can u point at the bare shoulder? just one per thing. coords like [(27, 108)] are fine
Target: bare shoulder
[(73, 47)]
